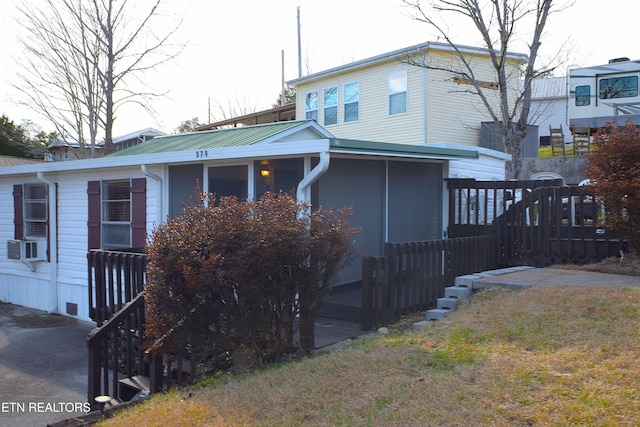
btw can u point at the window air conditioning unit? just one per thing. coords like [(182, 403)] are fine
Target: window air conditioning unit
[(26, 250)]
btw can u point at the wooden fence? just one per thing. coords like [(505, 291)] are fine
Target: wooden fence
[(119, 352), (538, 223), (115, 278), (116, 304), (411, 276), (555, 225), (474, 205)]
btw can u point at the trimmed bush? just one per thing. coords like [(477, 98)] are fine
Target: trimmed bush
[(230, 279)]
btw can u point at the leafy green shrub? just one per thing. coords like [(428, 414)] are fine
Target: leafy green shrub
[(233, 276), (614, 173)]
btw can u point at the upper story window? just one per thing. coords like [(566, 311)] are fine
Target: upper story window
[(116, 214), (583, 95), (35, 210), (351, 101), (619, 87), (311, 106), (397, 92), (331, 105)]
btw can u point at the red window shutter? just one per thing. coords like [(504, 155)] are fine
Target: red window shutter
[(93, 223), (18, 214), (138, 212)]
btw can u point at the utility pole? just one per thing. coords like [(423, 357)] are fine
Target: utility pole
[(299, 47), (282, 95)]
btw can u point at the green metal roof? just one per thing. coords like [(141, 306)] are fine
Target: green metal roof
[(219, 138), (358, 146), (270, 132)]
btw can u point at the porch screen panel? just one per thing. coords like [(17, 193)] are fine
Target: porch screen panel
[(229, 181), (279, 175), (183, 180), (360, 184), (415, 201)]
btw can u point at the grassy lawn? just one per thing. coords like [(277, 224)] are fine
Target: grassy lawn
[(537, 356)]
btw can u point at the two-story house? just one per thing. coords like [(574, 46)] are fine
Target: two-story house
[(386, 99)]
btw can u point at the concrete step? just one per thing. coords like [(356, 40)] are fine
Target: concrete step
[(457, 292), (437, 313), (467, 280), (448, 303), (421, 324), (133, 388)]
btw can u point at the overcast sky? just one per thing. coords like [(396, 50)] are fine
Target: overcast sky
[(234, 48)]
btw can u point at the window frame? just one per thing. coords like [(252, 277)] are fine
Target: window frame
[(394, 93), (28, 217), (610, 92), (348, 102), (311, 113), (583, 99), (330, 106), (108, 223)]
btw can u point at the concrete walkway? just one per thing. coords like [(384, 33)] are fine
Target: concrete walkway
[(43, 363), (43, 367), (553, 276)]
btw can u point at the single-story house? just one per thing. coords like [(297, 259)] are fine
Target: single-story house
[(57, 211)]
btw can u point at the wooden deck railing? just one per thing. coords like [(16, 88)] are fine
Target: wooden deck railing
[(411, 276), (117, 347), (115, 278), (116, 304), (474, 205), (116, 352), (554, 225)]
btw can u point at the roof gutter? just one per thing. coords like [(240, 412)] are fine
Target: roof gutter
[(53, 240), (302, 192)]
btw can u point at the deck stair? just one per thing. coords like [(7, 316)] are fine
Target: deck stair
[(463, 288)]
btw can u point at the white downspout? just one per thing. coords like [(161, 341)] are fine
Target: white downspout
[(302, 192), (53, 240), (146, 172)]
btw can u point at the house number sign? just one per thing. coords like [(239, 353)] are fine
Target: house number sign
[(202, 153)]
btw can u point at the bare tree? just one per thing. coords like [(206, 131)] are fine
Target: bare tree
[(85, 59), (500, 23), (236, 107)]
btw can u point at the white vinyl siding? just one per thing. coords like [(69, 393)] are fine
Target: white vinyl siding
[(438, 109), (374, 122)]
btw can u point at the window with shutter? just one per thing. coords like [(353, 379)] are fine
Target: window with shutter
[(117, 214)]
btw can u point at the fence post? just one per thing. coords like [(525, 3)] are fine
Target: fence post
[(307, 332), (155, 373), (94, 373), (367, 293)]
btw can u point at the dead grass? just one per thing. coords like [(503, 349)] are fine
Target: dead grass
[(539, 356), (628, 265)]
